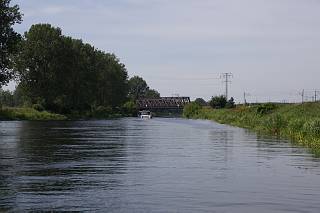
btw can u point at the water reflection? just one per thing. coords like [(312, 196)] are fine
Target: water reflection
[(53, 157), (163, 165)]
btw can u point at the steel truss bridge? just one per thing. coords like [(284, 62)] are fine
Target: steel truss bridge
[(163, 103)]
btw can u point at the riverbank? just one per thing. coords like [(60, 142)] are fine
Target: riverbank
[(299, 122), (15, 113), (31, 114)]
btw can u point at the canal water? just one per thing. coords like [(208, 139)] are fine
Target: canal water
[(158, 165)]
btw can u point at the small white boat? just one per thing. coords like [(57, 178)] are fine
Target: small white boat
[(145, 114)]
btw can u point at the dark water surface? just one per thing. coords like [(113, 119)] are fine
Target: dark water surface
[(158, 165)]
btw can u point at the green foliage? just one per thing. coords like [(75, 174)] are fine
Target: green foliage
[(266, 108), (130, 108), (151, 93), (9, 39), (191, 110), (102, 112), (296, 125), (28, 114), (219, 102), (138, 88), (275, 124), (312, 127), (67, 74), (230, 104), (38, 107), (300, 122), (6, 98), (201, 102)]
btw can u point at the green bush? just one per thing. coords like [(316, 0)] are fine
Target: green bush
[(275, 124), (38, 107), (312, 127), (130, 108), (191, 110), (102, 112), (266, 108), (218, 102), (11, 113), (296, 125)]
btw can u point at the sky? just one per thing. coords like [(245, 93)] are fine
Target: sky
[(271, 47)]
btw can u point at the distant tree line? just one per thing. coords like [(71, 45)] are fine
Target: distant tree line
[(193, 110), (216, 102), (62, 74)]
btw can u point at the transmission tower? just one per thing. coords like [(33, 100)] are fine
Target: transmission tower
[(302, 96), (226, 79)]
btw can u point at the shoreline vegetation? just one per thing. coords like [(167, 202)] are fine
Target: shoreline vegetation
[(29, 114), (298, 122), (32, 114)]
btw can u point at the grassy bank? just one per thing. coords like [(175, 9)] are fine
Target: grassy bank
[(13, 113), (32, 114), (299, 122)]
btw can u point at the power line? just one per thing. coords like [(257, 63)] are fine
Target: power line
[(302, 96), (245, 94), (226, 80)]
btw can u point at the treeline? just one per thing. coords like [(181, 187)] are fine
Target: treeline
[(216, 102), (65, 75), (61, 74)]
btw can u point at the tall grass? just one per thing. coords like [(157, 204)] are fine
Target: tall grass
[(299, 122), (10, 113)]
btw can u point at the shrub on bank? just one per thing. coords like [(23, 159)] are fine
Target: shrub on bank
[(266, 108), (28, 114), (191, 110)]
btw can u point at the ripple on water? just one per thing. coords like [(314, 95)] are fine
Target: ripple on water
[(158, 165)]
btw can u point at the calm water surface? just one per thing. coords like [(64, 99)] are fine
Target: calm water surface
[(158, 165)]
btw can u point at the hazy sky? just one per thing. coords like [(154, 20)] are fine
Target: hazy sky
[(272, 47)]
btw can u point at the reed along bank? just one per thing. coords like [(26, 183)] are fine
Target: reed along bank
[(298, 122)]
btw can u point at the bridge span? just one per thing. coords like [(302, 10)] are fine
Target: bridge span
[(163, 103)]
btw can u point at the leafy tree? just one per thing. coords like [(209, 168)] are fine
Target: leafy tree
[(201, 102), (40, 63), (230, 103), (65, 75), (218, 101), (6, 98), (151, 93), (9, 39), (137, 88)]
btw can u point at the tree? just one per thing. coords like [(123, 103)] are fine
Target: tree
[(151, 93), (137, 88), (40, 64), (66, 75), (201, 102), (6, 98), (9, 39), (230, 103), (218, 101)]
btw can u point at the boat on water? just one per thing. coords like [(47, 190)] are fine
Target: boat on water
[(145, 114)]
